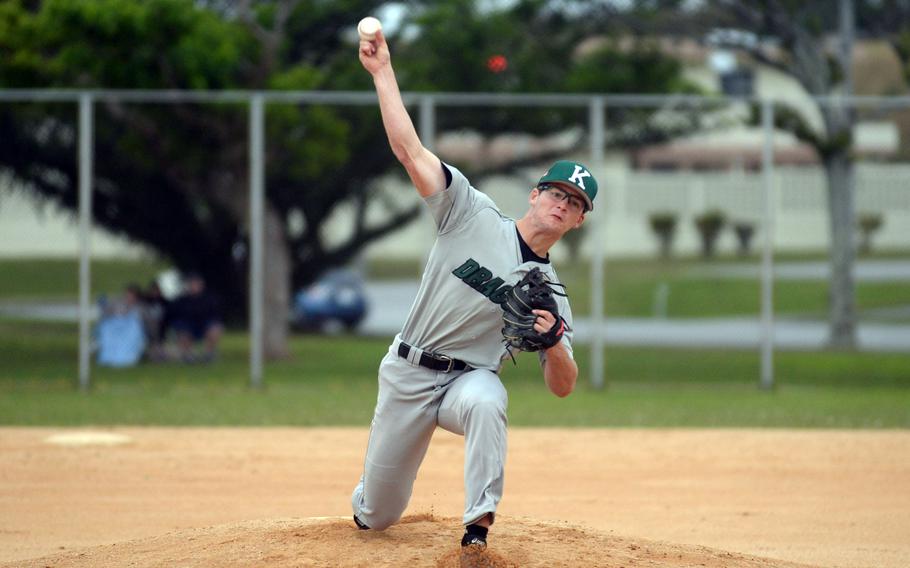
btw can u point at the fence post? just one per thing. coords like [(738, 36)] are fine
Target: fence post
[(257, 264), (767, 270), (428, 121), (596, 126), (86, 167), (427, 126)]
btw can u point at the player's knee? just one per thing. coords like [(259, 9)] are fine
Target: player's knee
[(380, 521), (493, 398), (490, 404)]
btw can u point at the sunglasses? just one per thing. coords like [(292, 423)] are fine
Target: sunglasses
[(575, 203)]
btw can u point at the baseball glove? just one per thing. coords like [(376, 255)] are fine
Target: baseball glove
[(532, 292)]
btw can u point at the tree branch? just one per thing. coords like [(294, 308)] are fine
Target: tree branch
[(344, 252)]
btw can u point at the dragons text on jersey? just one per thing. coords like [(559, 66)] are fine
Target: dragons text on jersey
[(482, 280)]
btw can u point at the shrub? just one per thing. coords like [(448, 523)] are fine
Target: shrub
[(664, 226), (744, 232), (572, 240), (868, 224), (709, 225)]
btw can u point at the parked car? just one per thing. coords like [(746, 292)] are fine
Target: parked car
[(335, 302)]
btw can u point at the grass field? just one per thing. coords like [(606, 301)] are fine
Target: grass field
[(631, 285), (58, 279), (332, 381)]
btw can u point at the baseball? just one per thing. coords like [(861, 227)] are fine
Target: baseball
[(368, 27)]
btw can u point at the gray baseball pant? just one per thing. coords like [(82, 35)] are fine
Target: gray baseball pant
[(412, 401)]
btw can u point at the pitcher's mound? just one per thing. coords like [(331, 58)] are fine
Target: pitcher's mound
[(419, 540)]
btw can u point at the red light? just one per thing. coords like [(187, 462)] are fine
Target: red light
[(497, 63)]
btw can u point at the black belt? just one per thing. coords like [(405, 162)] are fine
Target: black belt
[(435, 362)]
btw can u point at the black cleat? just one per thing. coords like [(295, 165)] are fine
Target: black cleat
[(475, 536), (360, 524)]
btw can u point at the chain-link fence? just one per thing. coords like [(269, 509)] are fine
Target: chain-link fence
[(698, 194)]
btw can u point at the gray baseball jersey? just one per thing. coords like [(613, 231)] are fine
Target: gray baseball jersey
[(477, 257)]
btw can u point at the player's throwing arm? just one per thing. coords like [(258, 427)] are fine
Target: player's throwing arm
[(422, 166)]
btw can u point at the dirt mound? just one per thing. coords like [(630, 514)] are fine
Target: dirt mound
[(419, 540)]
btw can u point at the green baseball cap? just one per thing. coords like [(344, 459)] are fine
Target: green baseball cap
[(574, 176)]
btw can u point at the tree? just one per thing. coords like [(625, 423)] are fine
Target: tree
[(174, 177), (888, 19), (799, 31), (793, 36), (543, 47)]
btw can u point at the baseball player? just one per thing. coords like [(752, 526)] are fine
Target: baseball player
[(441, 369)]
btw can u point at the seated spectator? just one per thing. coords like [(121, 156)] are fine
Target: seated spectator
[(155, 309), (121, 337), (196, 316), (125, 304)]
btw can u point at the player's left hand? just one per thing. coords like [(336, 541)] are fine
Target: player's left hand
[(530, 314)]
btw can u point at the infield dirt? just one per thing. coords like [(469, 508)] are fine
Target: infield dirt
[(606, 497)]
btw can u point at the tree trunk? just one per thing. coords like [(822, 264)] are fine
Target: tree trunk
[(841, 305), (277, 285)]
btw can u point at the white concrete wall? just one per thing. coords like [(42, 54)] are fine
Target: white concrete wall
[(629, 197), (32, 228)]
